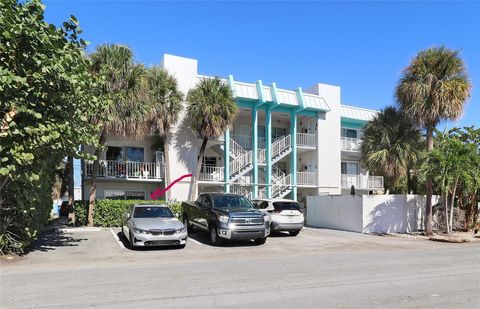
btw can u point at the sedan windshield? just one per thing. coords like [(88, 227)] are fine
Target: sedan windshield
[(231, 201), (152, 212)]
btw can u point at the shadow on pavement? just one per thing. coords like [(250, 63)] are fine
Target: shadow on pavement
[(52, 238), (202, 237)]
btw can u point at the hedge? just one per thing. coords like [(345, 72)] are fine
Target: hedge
[(109, 213)]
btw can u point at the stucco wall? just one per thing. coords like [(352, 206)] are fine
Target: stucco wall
[(339, 212), (102, 185), (367, 213)]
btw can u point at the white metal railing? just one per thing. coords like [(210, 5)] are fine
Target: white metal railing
[(127, 169), (277, 173), (211, 173), (351, 144), (262, 193), (245, 141), (279, 146), (242, 190), (307, 140), (362, 181), (236, 148), (241, 162), (306, 178), (280, 186)]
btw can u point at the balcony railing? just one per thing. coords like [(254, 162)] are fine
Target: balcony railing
[(306, 178), (246, 141), (307, 140), (127, 169), (362, 182), (351, 144), (211, 173)]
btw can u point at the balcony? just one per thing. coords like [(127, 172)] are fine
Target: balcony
[(351, 144), (307, 140), (211, 174), (306, 179), (362, 182), (131, 170)]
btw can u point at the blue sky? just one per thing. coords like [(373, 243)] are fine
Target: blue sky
[(360, 46)]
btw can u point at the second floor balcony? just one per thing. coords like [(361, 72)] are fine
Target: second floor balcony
[(350, 144), (362, 182), (128, 170)]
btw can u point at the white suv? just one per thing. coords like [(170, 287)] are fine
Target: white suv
[(285, 215)]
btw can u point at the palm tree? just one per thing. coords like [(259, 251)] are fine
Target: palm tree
[(390, 144), (165, 106), (122, 90), (211, 110), (432, 88)]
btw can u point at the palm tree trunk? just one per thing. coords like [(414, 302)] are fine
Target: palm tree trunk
[(166, 155), (71, 198), (452, 203), (445, 204), (194, 189), (93, 181), (429, 188)]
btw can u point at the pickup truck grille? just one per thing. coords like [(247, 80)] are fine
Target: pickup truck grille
[(247, 221)]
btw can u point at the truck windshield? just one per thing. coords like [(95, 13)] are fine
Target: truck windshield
[(231, 201), (152, 212)]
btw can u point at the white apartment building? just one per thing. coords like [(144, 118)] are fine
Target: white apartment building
[(284, 143)]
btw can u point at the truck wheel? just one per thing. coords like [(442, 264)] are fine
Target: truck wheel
[(294, 233), (187, 224), (214, 238), (260, 241)]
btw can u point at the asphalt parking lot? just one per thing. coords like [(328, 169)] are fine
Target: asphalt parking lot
[(317, 269)]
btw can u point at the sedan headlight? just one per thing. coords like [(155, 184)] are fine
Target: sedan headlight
[(181, 230), (223, 219), (140, 231)]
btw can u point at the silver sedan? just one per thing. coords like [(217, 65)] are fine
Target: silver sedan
[(153, 225)]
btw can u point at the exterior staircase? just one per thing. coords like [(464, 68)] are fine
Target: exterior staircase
[(241, 161), (280, 148), (281, 186)]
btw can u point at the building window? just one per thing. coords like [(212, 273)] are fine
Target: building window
[(135, 154), (124, 195), (208, 163), (350, 133), (350, 168), (115, 153)]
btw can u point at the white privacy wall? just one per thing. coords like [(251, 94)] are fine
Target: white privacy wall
[(367, 213)]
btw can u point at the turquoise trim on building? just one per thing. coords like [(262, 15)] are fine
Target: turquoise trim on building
[(268, 151), (352, 123), (301, 99), (293, 156), (231, 83), (255, 151), (226, 160), (273, 89)]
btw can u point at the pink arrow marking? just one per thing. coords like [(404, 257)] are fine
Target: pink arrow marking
[(158, 193)]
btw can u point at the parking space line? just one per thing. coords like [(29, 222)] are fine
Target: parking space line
[(195, 241), (119, 242)]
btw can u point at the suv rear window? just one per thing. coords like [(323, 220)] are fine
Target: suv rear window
[(286, 206)]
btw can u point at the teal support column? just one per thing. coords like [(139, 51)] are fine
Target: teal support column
[(226, 160), (255, 151), (293, 156), (268, 151)]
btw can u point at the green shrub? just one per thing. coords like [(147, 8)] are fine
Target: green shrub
[(80, 208), (109, 213)]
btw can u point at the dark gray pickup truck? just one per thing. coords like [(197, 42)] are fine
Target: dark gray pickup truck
[(226, 216)]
